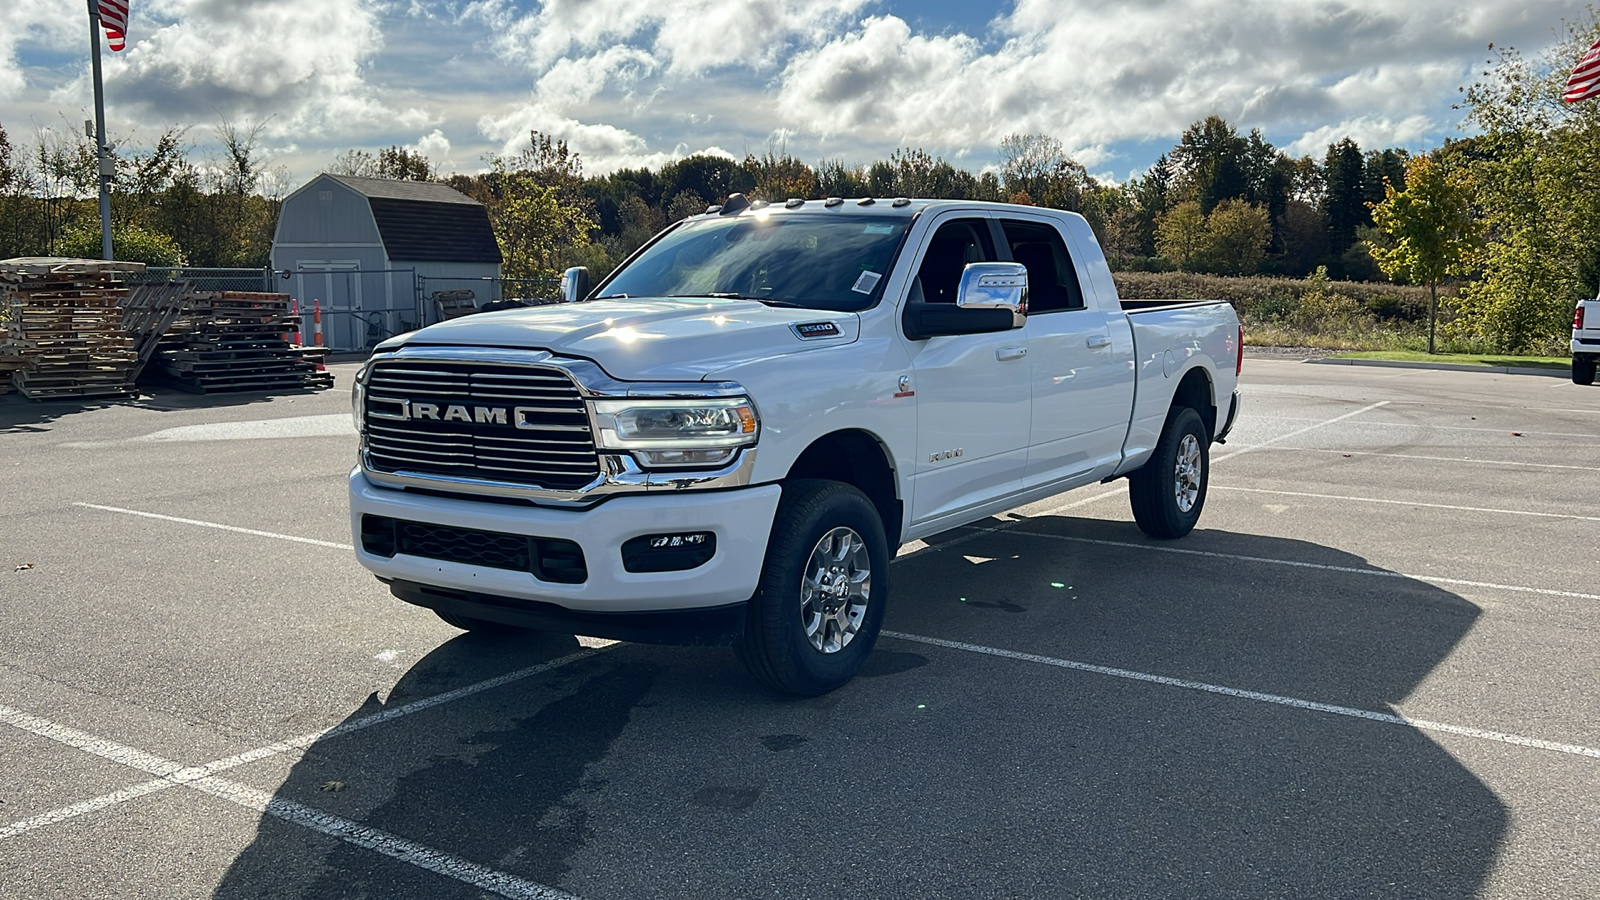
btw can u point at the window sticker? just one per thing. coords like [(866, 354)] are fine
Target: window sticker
[(866, 282), (878, 229)]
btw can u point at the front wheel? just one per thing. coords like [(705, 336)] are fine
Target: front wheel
[(1169, 491), (816, 613), (1582, 368)]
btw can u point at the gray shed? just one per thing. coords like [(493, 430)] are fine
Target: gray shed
[(372, 250)]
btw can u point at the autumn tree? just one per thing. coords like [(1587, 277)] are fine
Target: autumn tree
[(1181, 235), (1429, 229), (1536, 191), (1237, 235)]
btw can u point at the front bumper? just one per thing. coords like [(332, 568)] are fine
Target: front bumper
[(741, 520)]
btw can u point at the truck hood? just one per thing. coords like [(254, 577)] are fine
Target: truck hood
[(648, 339)]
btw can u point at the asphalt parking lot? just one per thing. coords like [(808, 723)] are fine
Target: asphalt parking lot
[(1370, 672)]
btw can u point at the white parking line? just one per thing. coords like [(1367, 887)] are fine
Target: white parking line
[(378, 841), (1353, 570), (1426, 426), (1479, 509), (234, 528), (1257, 696), (1299, 431), (95, 804), (288, 810), (1497, 463), (185, 774)]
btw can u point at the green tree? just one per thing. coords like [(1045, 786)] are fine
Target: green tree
[(778, 176), (1213, 163), (537, 233), (1429, 229), (1237, 235), (132, 243), (1344, 202), (1181, 236), (1534, 184)]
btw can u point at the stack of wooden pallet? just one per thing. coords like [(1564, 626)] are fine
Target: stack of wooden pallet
[(64, 333), (225, 341)]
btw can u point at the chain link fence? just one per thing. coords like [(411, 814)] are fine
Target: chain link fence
[(206, 279)]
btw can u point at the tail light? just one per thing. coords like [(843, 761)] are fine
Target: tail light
[(1577, 318), (1238, 367)]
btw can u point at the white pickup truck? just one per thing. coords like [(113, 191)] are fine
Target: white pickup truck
[(1585, 340), (727, 439)]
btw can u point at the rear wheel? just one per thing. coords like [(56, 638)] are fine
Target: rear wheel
[(1582, 368), (1169, 491), (817, 610)]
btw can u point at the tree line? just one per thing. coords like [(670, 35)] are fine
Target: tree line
[(1507, 216)]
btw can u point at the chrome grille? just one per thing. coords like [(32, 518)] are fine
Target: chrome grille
[(544, 440)]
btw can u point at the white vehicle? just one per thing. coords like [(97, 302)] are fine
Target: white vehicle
[(728, 438), (1585, 340)]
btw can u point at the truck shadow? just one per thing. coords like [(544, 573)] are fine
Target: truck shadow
[(660, 772)]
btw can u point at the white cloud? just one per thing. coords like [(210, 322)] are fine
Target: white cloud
[(641, 82), (1368, 131), (687, 37), (436, 147), (297, 63)]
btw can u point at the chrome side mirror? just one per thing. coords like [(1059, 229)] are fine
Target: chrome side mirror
[(995, 285), (574, 284)]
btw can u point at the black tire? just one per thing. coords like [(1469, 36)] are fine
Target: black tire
[(1582, 368), (1154, 490), (785, 617), (479, 626)]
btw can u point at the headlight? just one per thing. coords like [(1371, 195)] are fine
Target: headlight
[(358, 399), (677, 432)]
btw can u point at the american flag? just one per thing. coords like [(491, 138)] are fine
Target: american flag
[(114, 18), (1585, 80)]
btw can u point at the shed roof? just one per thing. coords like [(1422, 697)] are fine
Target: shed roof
[(422, 221), (394, 189)]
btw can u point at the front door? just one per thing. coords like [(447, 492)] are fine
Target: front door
[(971, 390)]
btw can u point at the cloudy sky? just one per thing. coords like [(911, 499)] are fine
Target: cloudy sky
[(641, 82)]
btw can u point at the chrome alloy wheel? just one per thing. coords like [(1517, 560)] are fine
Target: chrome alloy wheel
[(835, 589), (1186, 473)]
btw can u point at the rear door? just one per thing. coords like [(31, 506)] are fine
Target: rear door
[(1082, 360)]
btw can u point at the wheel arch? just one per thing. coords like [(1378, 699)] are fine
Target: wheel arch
[(858, 458), (1196, 391)]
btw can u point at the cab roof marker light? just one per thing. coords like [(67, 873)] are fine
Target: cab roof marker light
[(794, 203), (865, 201), (714, 208), (759, 204), (831, 202), (901, 201)]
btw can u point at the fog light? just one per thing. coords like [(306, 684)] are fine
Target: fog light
[(665, 458), (669, 552)]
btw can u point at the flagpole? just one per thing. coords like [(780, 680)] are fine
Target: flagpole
[(103, 162)]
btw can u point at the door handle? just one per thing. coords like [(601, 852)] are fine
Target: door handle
[(1096, 341), (1005, 353)]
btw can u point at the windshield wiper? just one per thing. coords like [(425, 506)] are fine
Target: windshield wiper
[(728, 295)]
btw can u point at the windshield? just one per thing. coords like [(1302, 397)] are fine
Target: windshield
[(815, 261)]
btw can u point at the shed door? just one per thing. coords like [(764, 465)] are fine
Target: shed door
[(337, 284)]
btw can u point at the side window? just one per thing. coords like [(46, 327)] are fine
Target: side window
[(954, 245), (1052, 278)]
